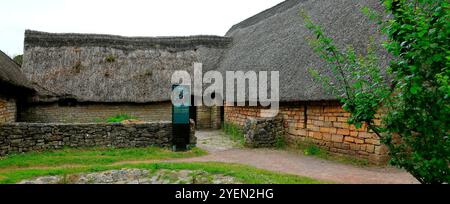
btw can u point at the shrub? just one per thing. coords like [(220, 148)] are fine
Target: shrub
[(312, 150), (280, 142), (18, 59), (120, 118)]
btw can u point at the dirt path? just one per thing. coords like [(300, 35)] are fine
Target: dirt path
[(223, 150)]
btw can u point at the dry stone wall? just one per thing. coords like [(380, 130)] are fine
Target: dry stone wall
[(263, 132), (25, 137)]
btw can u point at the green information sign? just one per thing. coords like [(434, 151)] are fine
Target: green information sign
[(181, 102)]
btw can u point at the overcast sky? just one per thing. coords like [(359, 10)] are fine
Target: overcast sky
[(122, 17)]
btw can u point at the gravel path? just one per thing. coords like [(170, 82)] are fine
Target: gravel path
[(215, 141), (223, 150)]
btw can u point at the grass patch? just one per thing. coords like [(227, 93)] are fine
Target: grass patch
[(246, 174), (92, 156), (280, 142), (120, 118), (234, 132), (307, 148), (313, 150)]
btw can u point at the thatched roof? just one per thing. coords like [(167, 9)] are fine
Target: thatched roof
[(276, 40), (174, 44), (106, 68), (10, 75)]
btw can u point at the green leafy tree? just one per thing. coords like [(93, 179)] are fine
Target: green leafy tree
[(413, 95), (18, 59)]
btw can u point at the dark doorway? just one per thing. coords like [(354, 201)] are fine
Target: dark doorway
[(193, 111), (222, 115)]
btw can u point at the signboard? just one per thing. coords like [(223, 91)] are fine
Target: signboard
[(181, 102)]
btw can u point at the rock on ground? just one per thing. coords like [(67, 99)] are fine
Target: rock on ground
[(137, 176)]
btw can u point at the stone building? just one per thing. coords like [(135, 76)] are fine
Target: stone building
[(13, 89), (89, 77), (276, 40), (86, 77)]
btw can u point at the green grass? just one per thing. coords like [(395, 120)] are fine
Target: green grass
[(234, 132), (246, 174), (92, 156), (309, 149), (120, 118), (67, 161), (280, 142)]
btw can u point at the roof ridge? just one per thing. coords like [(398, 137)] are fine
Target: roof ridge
[(11, 60), (279, 8), (45, 39), (11, 73), (42, 33)]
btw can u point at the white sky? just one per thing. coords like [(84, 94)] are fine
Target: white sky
[(122, 17)]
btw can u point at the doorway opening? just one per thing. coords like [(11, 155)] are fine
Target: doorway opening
[(193, 111)]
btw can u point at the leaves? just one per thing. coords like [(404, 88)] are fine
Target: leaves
[(419, 35), (414, 93)]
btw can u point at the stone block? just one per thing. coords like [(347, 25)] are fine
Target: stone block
[(349, 139), (370, 148), (343, 131), (326, 137), (373, 141), (337, 138)]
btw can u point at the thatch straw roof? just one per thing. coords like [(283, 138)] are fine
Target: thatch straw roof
[(276, 40), (174, 44), (10, 75), (105, 68)]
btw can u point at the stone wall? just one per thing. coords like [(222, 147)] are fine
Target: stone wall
[(208, 117), (263, 132), (238, 115), (8, 110), (25, 137), (216, 117), (324, 124), (95, 112)]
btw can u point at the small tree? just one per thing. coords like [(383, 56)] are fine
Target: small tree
[(413, 94)]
